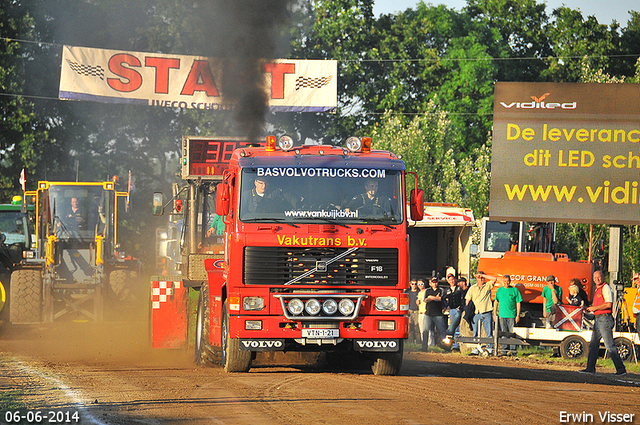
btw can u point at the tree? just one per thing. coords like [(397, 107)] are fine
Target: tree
[(573, 39), (425, 145), (21, 134)]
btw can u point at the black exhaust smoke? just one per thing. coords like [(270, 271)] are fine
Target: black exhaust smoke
[(250, 37)]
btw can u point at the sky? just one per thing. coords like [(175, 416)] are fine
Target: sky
[(604, 11)]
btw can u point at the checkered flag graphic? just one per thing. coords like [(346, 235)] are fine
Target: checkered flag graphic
[(312, 83), (87, 70)]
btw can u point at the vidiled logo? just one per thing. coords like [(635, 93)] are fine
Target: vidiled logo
[(539, 103)]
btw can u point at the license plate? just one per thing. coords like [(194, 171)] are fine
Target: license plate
[(320, 333)]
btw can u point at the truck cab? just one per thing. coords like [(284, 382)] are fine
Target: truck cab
[(314, 254)]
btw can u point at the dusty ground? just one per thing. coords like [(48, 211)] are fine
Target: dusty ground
[(108, 375)]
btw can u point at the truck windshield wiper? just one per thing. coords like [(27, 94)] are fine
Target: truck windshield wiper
[(379, 221), (275, 220), (336, 222)]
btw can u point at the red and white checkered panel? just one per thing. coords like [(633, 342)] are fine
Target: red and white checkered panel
[(169, 301), (161, 291)]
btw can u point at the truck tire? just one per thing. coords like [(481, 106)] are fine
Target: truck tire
[(388, 363), (625, 348), (26, 296), (205, 355), (573, 347), (233, 359)]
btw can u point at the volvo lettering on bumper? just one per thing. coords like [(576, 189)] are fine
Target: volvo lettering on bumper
[(391, 345), (262, 344)]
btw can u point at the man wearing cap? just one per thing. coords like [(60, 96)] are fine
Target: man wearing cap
[(452, 300), (603, 326), (262, 199), (551, 296), (480, 295), (434, 318), (257, 194)]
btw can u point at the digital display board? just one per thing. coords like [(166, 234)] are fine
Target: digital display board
[(566, 152), (207, 157)]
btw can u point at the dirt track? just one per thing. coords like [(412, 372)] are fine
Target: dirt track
[(109, 375)]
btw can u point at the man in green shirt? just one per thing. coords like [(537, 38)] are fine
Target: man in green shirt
[(506, 307), (551, 297)]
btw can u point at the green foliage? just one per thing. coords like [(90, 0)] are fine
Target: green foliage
[(21, 138), (425, 144), (574, 39)]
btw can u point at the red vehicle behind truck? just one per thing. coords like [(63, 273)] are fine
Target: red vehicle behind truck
[(307, 265)]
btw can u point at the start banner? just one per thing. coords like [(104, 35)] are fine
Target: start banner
[(193, 82)]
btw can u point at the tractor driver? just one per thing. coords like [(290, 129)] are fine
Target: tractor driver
[(77, 217)]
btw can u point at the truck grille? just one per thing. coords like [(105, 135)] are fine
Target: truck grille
[(279, 266)]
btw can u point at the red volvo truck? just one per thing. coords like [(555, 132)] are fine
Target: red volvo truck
[(303, 254)]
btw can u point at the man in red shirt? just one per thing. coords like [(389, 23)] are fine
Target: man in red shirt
[(603, 326)]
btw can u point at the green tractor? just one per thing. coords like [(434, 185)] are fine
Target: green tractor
[(15, 238)]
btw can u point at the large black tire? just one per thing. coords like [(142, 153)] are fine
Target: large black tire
[(573, 347), (26, 296), (121, 285), (233, 359), (388, 363), (205, 354), (625, 348)]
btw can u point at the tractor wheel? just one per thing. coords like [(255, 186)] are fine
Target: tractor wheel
[(388, 363), (26, 296), (120, 285), (233, 359), (117, 284), (205, 354), (625, 348), (573, 347)]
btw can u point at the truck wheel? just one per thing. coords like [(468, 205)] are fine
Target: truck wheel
[(573, 347), (625, 348), (205, 354), (233, 359), (388, 363), (26, 296)]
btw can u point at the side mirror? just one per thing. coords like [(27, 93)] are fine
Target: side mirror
[(416, 203), (222, 199), (158, 203), (473, 250)]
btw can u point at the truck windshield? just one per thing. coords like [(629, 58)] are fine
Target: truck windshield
[(321, 194), (79, 212), (501, 236), (13, 224)]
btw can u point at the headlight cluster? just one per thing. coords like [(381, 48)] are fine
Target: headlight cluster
[(314, 306), (386, 304), (252, 303)]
